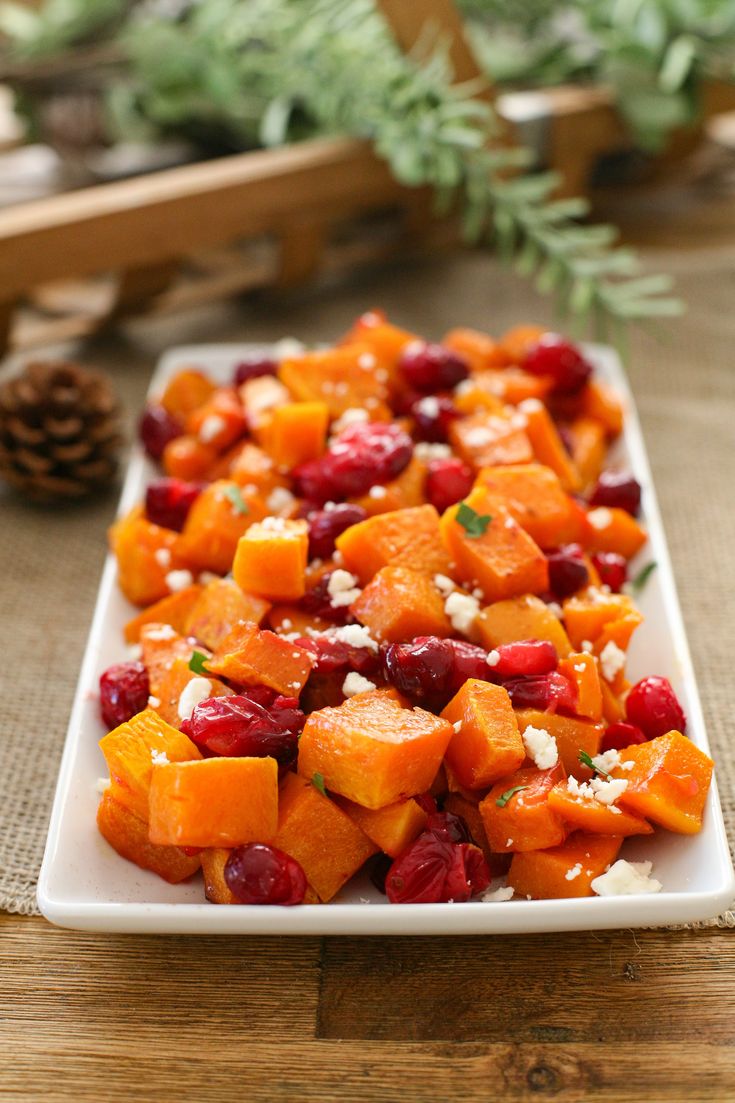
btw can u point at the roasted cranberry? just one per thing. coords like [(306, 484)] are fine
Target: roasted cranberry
[(621, 735), (525, 658), (653, 707), (325, 525), (432, 870), (261, 874), (546, 692), (560, 360), (448, 826), (429, 368), (421, 669), (567, 570), (427, 802), (253, 366), (468, 661), (447, 481), (156, 428), (362, 455), (617, 490), (433, 415), (168, 501), (612, 569), (240, 727), (403, 399), (337, 657), (318, 602), (124, 690)]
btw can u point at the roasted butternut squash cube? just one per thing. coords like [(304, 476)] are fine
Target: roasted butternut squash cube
[(486, 744), (521, 618), (285, 619), (381, 337), (188, 458), (214, 802), (160, 647), (406, 538), (582, 671), (220, 606), (587, 613), (572, 735), (391, 828), (405, 492), (185, 392), (584, 813), (220, 421), (668, 783), (601, 401), (248, 465), (215, 523), (329, 846), (145, 553), (614, 530), (372, 750), (490, 437), (172, 686), (248, 655), (523, 820), (128, 835), (564, 871), (546, 444), (296, 432), (399, 604), (533, 495), (479, 349), (589, 448), (343, 377), (174, 609), (270, 560), (516, 342)]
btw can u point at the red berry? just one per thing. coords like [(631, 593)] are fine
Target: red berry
[(157, 428), (448, 481), (524, 658), (612, 569), (168, 501), (447, 826), (546, 692), (560, 360), (362, 455), (325, 525), (653, 707), (261, 874), (252, 367), (567, 570), (432, 870), (318, 602), (124, 690), (242, 727), (433, 414), (337, 657), (430, 368), (621, 735), (617, 490), (421, 669), (468, 661), (427, 802)]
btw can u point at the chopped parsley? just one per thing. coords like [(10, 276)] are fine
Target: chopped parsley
[(640, 580), (318, 782), (587, 760), (197, 661), (236, 499), (505, 797), (472, 522)]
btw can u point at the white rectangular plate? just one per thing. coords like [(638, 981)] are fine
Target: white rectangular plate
[(84, 884)]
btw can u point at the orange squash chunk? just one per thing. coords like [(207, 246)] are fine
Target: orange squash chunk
[(174, 609), (516, 342), (344, 377), (406, 538), (220, 606), (324, 840), (504, 561), (588, 814), (602, 402), (172, 685), (129, 752), (511, 386), (524, 821), (145, 553), (391, 828), (128, 835), (581, 670), (384, 340), (161, 646), (613, 708), (521, 618), (220, 421), (486, 744), (185, 392), (572, 734), (479, 349), (187, 458), (532, 494), (404, 492), (564, 871), (215, 523), (614, 530), (214, 802), (296, 432), (589, 447), (290, 618), (587, 613), (669, 782), (271, 559), (470, 813), (248, 465), (399, 604), (372, 750), (249, 655), (488, 438), (547, 445)]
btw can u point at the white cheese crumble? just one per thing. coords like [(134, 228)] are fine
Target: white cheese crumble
[(493, 658), (462, 610), (279, 499), (444, 585), (288, 347), (509, 842), (457, 725), (609, 761), (355, 683), (587, 646), (354, 415), (604, 791), (159, 758), (555, 608), (626, 879), (612, 660), (193, 693), (426, 451), (355, 635), (600, 518), (342, 589), (428, 406), (541, 747), (499, 895), (102, 784), (211, 427), (479, 437), (179, 580), (262, 394), (530, 405), (163, 632), (162, 557), (366, 361), (377, 491), (154, 702), (574, 872)]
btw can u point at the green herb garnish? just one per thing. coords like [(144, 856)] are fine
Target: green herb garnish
[(587, 760), (238, 503), (317, 781), (473, 523), (505, 797), (640, 580), (197, 661)]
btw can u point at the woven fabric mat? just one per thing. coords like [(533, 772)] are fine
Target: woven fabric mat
[(50, 559)]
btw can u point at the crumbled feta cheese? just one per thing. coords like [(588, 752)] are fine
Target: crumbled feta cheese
[(479, 437), (426, 451), (366, 361), (377, 491), (355, 683), (600, 518), (338, 558), (605, 791), (211, 427), (541, 747), (462, 610), (587, 646), (519, 421), (179, 580), (428, 406), (163, 632), (478, 594), (352, 416), (493, 658), (574, 872), (607, 761), (154, 702), (509, 523), (465, 386), (263, 394), (530, 405), (555, 608), (457, 725), (509, 842), (342, 589), (499, 895), (193, 693), (287, 623), (287, 348), (102, 784), (162, 557), (274, 524), (279, 499), (355, 635), (444, 585), (159, 758), (626, 879), (580, 668), (612, 660)]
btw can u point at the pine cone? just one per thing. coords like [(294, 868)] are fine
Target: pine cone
[(59, 430)]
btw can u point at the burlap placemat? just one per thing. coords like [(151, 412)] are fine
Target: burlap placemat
[(50, 559)]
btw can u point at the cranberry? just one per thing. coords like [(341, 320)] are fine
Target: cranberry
[(261, 874), (362, 455), (560, 360), (427, 802), (653, 707), (325, 525), (448, 481), (156, 428), (337, 657), (546, 692), (612, 569), (403, 399), (124, 690), (168, 501), (617, 490), (431, 368), (318, 602), (567, 570), (432, 870), (468, 661), (621, 735), (421, 669), (253, 366), (524, 658), (433, 415), (448, 826), (241, 727)]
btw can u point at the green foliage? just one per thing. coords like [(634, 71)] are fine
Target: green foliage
[(58, 24)]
